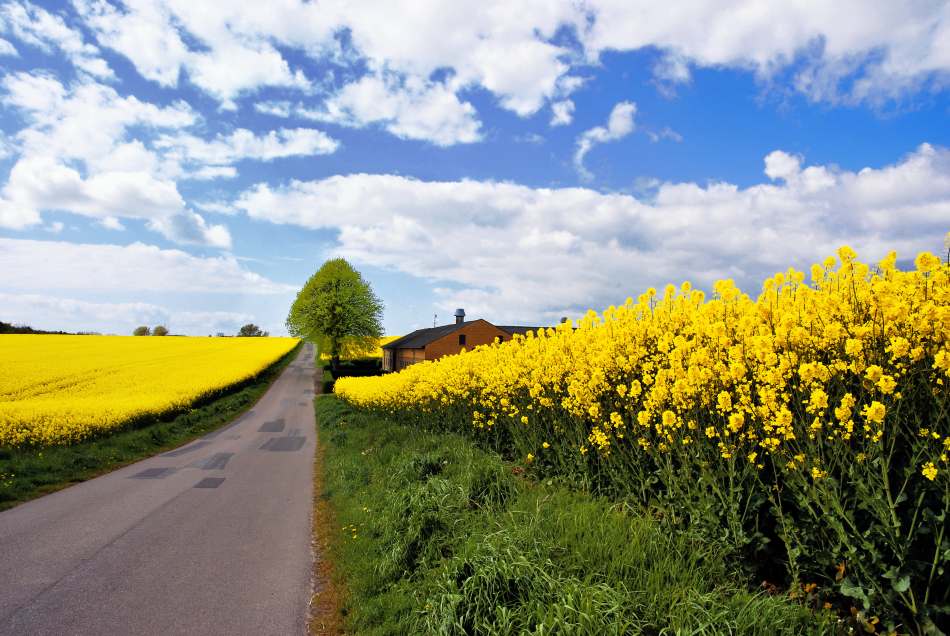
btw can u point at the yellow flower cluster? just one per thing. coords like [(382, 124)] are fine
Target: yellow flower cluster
[(752, 378), (63, 389)]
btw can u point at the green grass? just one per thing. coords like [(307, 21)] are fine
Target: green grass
[(28, 474), (430, 535)]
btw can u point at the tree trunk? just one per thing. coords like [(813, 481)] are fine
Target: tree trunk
[(335, 363)]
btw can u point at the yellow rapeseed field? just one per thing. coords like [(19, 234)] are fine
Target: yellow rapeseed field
[(818, 412), (752, 378), (63, 389)]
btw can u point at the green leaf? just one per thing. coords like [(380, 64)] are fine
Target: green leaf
[(901, 584), (855, 591)]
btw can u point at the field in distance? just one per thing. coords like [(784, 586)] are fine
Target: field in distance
[(65, 389)]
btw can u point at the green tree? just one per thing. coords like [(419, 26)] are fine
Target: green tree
[(336, 304), (142, 331), (251, 330), (160, 331)]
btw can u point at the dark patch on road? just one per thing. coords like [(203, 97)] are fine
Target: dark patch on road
[(276, 426), (233, 437), (284, 444), (153, 473), (217, 461), (210, 482), (234, 423), (187, 449), (301, 404)]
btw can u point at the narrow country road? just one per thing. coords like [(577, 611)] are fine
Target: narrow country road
[(211, 538)]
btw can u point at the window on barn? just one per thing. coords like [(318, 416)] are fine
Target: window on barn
[(461, 339)]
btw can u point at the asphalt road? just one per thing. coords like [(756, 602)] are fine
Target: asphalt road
[(211, 538)]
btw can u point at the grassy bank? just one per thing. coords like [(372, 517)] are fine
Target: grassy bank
[(28, 474), (431, 535)]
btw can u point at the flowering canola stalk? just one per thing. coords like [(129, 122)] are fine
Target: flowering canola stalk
[(818, 412)]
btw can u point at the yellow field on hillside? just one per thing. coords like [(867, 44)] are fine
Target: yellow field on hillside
[(63, 389)]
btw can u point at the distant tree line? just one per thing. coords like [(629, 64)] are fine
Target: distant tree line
[(6, 327), (160, 330), (249, 330)]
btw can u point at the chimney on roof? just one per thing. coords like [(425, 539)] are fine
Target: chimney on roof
[(564, 319), (459, 316)]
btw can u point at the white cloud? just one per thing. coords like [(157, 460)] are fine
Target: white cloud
[(189, 228), (6, 48), (619, 125), (278, 109), (112, 223), (231, 58), (666, 133), (888, 48), (39, 28), (243, 144), (40, 183), (36, 265), (87, 121), (534, 254), (409, 109), (87, 128), (72, 315), (55, 227), (532, 138), (66, 314), (840, 50), (562, 113)]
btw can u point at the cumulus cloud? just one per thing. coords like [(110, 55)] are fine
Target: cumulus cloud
[(409, 108), (231, 58), (41, 183), (36, 265), (68, 314), (619, 125), (37, 27), (844, 50), (534, 254), (562, 113), (89, 126)]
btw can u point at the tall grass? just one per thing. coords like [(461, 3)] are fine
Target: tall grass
[(436, 536)]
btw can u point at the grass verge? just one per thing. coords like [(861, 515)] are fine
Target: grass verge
[(325, 619), (430, 535), (28, 474)]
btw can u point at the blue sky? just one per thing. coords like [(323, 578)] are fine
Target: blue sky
[(192, 163)]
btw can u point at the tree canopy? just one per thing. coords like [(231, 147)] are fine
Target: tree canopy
[(251, 330), (336, 306)]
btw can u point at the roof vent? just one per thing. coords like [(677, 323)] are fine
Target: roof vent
[(459, 316)]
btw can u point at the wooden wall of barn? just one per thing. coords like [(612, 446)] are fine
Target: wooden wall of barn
[(479, 332)]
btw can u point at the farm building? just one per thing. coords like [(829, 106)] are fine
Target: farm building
[(432, 344)]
